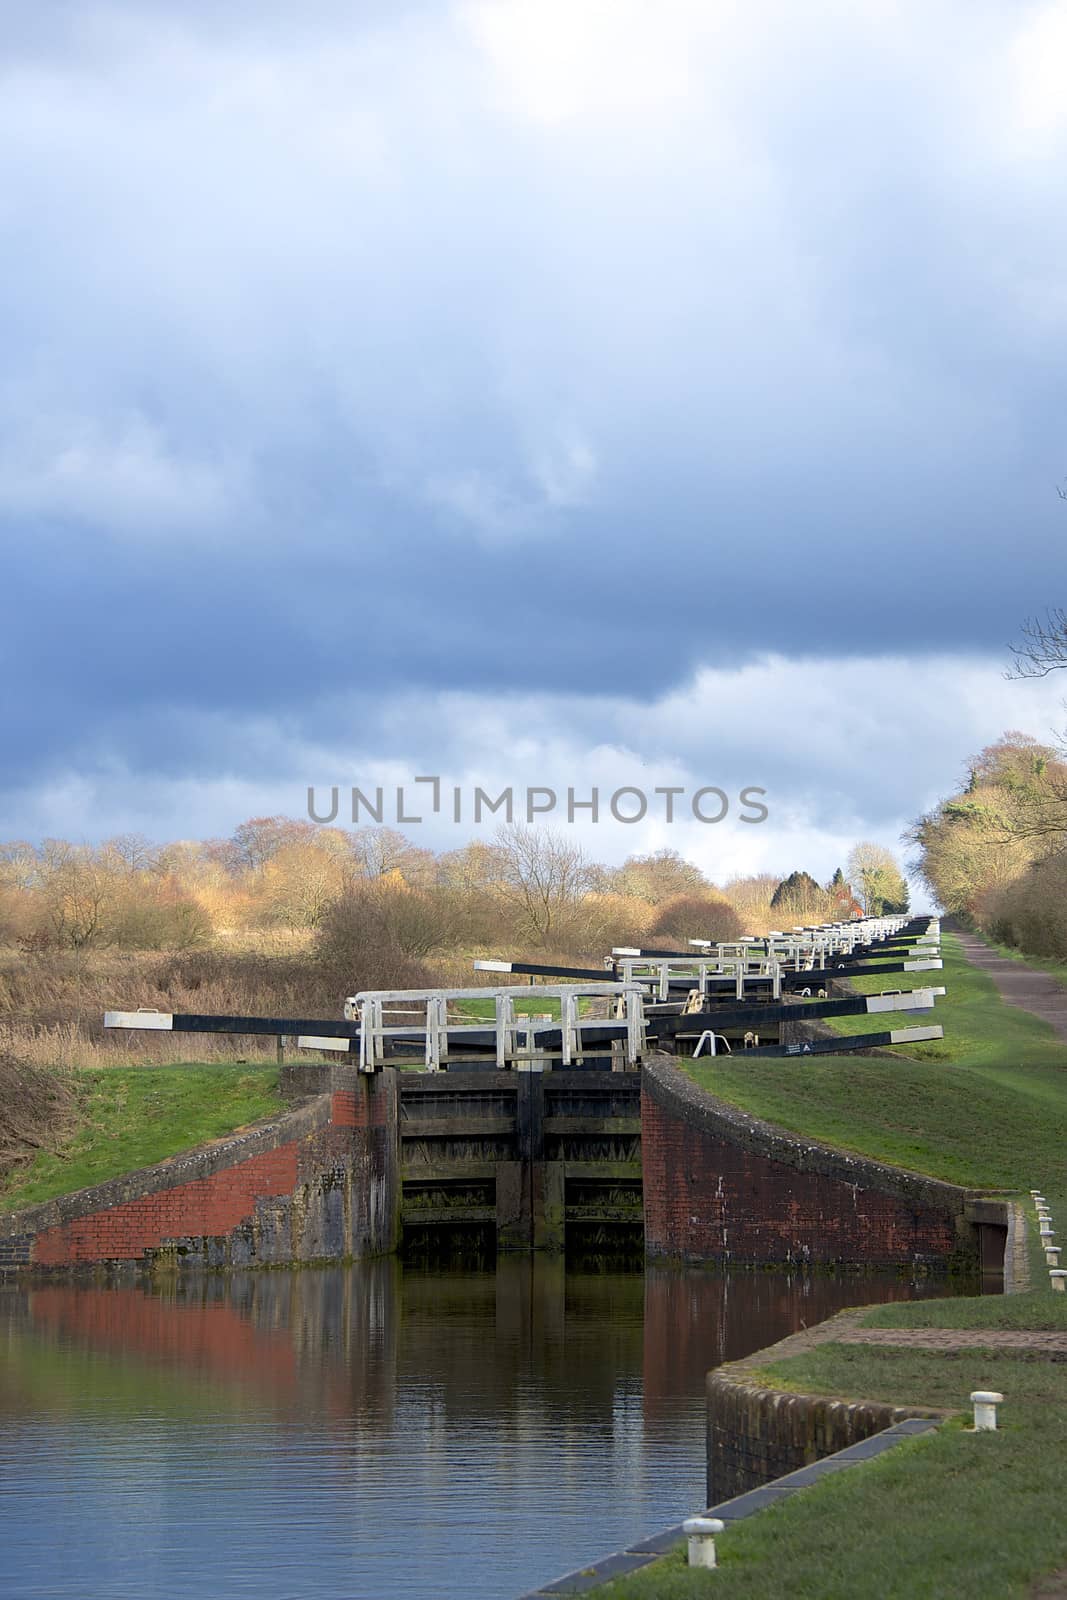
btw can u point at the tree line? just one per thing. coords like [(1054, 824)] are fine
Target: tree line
[(524, 888)]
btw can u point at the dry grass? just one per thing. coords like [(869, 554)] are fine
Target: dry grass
[(38, 1111), (52, 1005)]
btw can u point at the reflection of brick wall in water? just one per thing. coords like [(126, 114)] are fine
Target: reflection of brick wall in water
[(722, 1186), (214, 1339), (698, 1318), (317, 1184), (683, 1336)]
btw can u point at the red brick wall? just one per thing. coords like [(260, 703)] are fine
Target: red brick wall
[(364, 1107), (205, 1207), (721, 1186)]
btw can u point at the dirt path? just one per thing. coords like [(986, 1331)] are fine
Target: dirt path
[(1019, 984)]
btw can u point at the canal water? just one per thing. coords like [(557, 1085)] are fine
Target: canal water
[(371, 1432)]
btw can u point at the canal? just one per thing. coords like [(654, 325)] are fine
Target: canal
[(368, 1432)]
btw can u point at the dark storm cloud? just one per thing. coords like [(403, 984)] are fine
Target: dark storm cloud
[(345, 362)]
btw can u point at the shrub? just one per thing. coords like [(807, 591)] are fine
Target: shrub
[(695, 916)]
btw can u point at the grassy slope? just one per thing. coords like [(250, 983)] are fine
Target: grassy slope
[(135, 1117), (986, 1106)]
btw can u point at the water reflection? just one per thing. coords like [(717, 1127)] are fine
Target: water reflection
[(367, 1432)]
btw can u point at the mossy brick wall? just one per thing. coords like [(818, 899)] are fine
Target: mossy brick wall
[(722, 1186), (756, 1434), (317, 1184)]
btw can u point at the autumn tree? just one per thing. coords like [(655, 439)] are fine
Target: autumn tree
[(1007, 816)]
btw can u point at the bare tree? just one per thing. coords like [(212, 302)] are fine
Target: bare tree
[(19, 866), (544, 877), (258, 840), (77, 892), (380, 851), (131, 851), (1044, 646), (302, 879), (663, 875)]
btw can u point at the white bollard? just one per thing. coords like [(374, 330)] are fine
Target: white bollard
[(1057, 1274), (1046, 1230), (1044, 1214), (1052, 1254), (701, 1531), (985, 1403)]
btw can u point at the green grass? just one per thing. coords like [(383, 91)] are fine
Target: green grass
[(135, 1117), (985, 1107), (1036, 1309), (485, 1009), (541, 1005), (951, 1514)]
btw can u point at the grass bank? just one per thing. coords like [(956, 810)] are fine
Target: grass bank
[(986, 1106), (131, 1118)]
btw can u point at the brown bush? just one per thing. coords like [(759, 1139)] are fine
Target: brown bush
[(695, 916), (371, 938)]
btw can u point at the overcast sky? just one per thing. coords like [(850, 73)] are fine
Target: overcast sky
[(547, 392)]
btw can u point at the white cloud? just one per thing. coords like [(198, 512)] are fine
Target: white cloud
[(1039, 62), (556, 61), (126, 479), (566, 472), (558, 476)]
